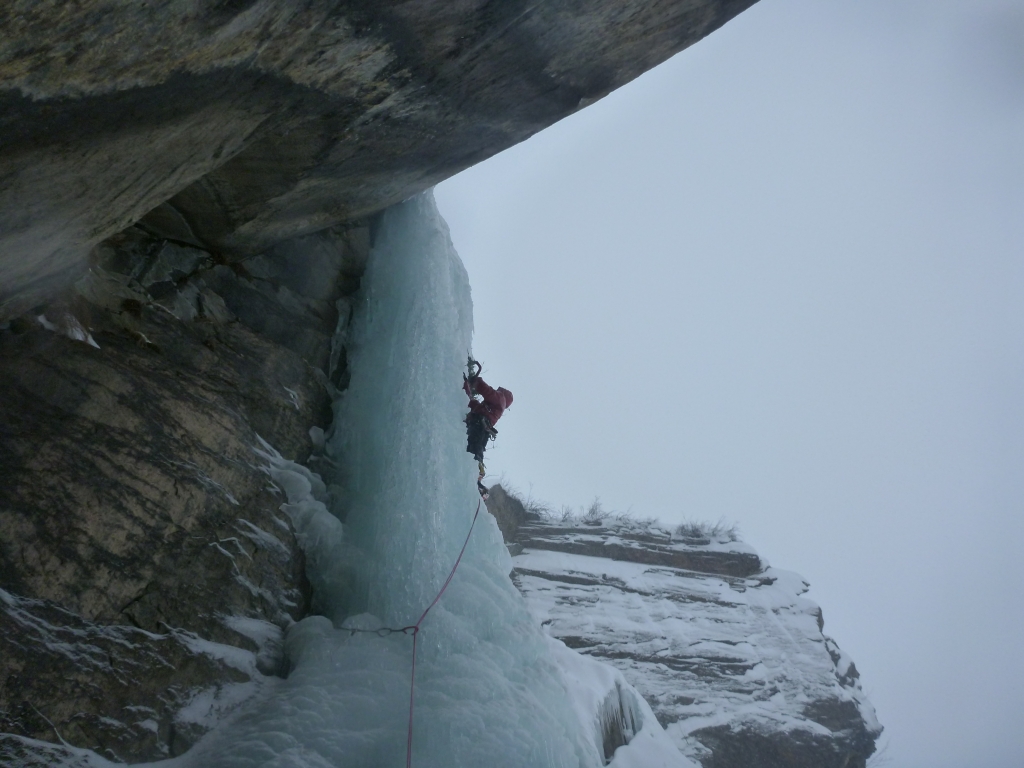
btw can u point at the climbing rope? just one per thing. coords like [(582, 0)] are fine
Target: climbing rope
[(414, 630)]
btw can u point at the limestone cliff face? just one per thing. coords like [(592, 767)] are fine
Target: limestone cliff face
[(728, 654), (236, 125), (146, 574)]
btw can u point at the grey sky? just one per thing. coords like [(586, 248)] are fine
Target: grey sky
[(779, 279)]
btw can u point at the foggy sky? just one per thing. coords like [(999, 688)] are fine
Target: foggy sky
[(779, 280)]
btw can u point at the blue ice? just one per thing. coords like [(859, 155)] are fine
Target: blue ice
[(489, 691)]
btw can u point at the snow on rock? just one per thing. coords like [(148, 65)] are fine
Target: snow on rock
[(729, 655), (200, 682), (133, 515), (68, 325), (625, 729)]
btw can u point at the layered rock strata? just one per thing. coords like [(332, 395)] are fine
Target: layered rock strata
[(731, 658), (146, 574)]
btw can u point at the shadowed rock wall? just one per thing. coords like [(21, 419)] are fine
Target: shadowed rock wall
[(242, 124), (146, 572)]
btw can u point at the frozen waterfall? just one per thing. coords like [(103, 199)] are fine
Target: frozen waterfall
[(491, 688)]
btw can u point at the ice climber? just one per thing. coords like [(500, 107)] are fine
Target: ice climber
[(483, 414)]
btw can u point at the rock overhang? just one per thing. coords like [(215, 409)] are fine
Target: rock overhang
[(246, 124)]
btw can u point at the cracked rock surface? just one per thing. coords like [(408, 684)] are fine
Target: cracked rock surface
[(146, 572)]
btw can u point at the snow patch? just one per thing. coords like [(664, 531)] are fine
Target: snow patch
[(68, 325)]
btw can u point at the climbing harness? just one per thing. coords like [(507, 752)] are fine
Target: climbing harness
[(414, 630)]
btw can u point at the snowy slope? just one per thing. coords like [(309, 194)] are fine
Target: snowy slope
[(730, 657)]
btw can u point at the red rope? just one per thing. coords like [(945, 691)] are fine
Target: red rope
[(416, 631)]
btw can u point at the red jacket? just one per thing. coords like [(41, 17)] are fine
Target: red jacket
[(495, 400)]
